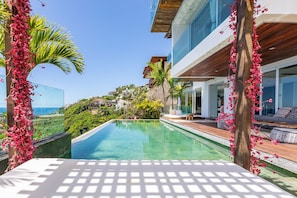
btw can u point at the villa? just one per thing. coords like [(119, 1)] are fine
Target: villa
[(201, 43)]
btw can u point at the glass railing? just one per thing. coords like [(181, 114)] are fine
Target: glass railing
[(48, 109), (208, 18), (169, 58), (153, 9), (182, 46)]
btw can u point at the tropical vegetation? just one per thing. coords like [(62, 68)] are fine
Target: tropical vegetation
[(50, 44), (34, 42), (126, 102), (159, 74)]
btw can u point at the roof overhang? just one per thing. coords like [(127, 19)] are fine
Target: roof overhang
[(164, 15), (278, 41)]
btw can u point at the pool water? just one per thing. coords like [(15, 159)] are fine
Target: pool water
[(145, 140)]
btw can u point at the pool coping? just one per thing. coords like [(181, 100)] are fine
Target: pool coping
[(89, 133)]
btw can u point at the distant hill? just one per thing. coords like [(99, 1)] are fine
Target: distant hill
[(125, 102)]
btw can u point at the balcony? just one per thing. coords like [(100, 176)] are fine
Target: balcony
[(162, 15), (208, 17), (209, 57)]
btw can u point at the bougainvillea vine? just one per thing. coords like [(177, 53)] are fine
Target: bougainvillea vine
[(253, 88), (19, 136)]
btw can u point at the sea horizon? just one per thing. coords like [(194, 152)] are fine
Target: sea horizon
[(38, 110)]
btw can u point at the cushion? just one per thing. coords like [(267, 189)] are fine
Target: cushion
[(285, 135), (283, 112)]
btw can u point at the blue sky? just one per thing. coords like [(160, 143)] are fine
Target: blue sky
[(113, 36)]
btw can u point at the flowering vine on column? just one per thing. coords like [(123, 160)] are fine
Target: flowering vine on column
[(253, 88), (19, 136)]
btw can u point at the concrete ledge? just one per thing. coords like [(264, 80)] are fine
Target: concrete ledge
[(57, 146)]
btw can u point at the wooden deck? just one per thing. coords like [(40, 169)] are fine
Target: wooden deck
[(282, 150)]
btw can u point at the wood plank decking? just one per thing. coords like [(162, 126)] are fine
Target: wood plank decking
[(283, 150)]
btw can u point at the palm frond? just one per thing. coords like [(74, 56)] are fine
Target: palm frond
[(59, 54), (4, 14), (2, 61), (2, 58), (49, 44), (52, 44), (158, 73)]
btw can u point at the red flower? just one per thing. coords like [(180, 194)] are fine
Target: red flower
[(19, 136)]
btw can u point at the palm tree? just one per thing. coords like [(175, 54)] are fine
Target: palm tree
[(178, 93), (159, 74), (3, 15), (172, 89), (48, 44), (52, 44)]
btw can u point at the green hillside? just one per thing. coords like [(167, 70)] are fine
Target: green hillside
[(126, 102)]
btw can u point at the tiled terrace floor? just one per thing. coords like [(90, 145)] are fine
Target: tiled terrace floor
[(287, 152), (61, 178)]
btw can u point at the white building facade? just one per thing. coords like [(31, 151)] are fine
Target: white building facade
[(201, 43)]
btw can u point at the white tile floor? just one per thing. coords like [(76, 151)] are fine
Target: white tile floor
[(59, 178)]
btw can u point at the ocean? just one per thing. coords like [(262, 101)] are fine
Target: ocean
[(38, 110)]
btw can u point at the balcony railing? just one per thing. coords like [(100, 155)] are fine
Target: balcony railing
[(207, 19), (153, 9), (169, 58), (48, 109)]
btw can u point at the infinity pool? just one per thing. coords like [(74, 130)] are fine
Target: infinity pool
[(145, 140)]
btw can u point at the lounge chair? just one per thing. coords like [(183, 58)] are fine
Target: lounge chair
[(283, 124), (285, 115)]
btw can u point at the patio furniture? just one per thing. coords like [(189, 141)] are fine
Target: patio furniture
[(190, 116), (284, 135), (284, 116)]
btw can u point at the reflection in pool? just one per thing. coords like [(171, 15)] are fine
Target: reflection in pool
[(145, 140)]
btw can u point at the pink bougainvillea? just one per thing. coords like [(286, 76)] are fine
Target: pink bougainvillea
[(19, 136), (253, 88)]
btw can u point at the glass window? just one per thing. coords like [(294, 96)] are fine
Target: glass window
[(288, 86), (201, 26), (198, 101), (268, 83), (224, 9), (186, 102), (190, 102)]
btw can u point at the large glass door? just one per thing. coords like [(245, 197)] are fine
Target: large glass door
[(288, 86), (198, 101), (268, 83)]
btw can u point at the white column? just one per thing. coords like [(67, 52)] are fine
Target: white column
[(278, 91), (194, 101)]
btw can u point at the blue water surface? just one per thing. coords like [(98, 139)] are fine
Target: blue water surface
[(145, 140)]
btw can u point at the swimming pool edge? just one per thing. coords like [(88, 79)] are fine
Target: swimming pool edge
[(283, 163)]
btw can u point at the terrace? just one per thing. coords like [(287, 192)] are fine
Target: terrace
[(53, 177)]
